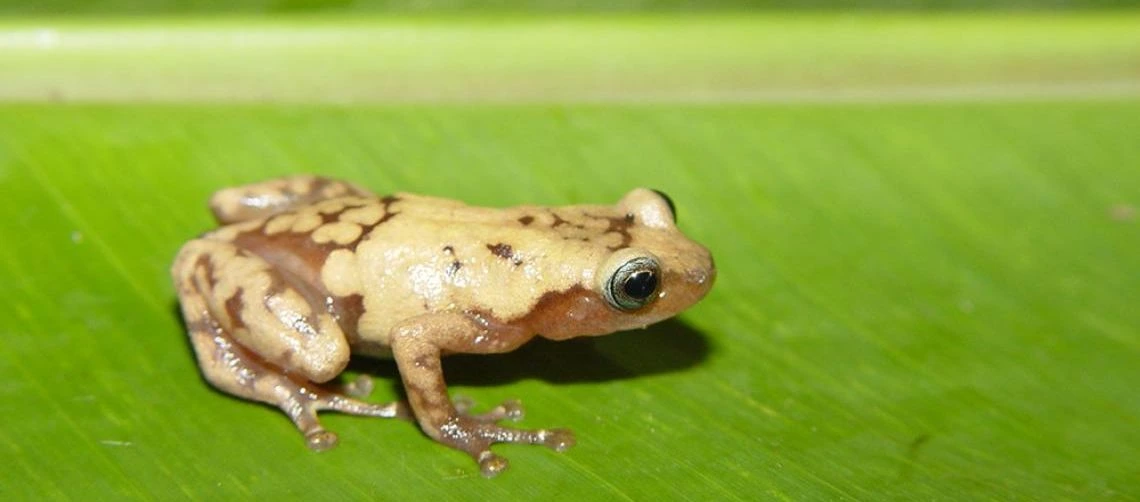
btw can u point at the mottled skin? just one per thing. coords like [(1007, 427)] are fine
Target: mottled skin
[(305, 271)]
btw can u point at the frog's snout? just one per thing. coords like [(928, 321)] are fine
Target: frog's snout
[(702, 275), (700, 278)]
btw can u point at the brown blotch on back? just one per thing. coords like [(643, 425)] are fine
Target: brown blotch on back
[(621, 226), (334, 216), (387, 202), (501, 250), (526, 220), (298, 261), (504, 251), (295, 253)]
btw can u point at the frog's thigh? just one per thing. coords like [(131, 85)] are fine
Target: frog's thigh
[(261, 310), (267, 198), (232, 369)]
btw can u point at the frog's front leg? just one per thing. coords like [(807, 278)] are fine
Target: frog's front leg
[(258, 337), (417, 345)]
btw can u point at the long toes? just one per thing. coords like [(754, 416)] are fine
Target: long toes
[(354, 407), (360, 387), (511, 410), (558, 440)]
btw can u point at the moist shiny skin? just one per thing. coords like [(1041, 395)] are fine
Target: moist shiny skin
[(305, 271)]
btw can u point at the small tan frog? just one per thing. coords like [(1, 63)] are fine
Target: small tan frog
[(305, 271)]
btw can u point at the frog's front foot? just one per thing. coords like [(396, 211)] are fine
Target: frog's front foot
[(475, 435)]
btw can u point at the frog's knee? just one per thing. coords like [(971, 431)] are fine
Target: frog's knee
[(320, 356), (287, 331), (321, 365)]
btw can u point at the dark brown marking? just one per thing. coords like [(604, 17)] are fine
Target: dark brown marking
[(234, 306), (294, 261), (295, 256), (387, 202), (203, 262), (505, 252), (558, 220), (297, 260), (548, 316), (526, 220), (454, 268), (621, 227), (347, 311), (501, 250), (318, 184), (449, 250), (295, 251), (334, 216)]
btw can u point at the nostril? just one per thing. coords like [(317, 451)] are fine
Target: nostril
[(697, 276)]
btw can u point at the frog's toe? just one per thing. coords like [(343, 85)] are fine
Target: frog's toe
[(361, 386), (558, 440), (321, 440), (511, 409), (490, 464)]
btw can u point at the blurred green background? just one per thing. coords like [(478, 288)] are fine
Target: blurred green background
[(436, 6), (924, 215)]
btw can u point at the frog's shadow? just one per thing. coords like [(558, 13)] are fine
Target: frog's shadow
[(668, 346), (665, 347)]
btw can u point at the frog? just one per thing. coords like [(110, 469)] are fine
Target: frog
[(304, 272)]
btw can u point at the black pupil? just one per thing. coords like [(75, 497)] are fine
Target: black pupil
[(640, 284)]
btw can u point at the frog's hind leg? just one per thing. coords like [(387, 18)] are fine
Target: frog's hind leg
[(241, 370), (259, 200), (232, 369)]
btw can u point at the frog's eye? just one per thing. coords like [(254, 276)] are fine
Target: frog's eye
[(633, 284)]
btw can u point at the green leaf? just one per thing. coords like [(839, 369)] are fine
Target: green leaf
[(918, 301)]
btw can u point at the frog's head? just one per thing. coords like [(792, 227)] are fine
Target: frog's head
[(656, 275)]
